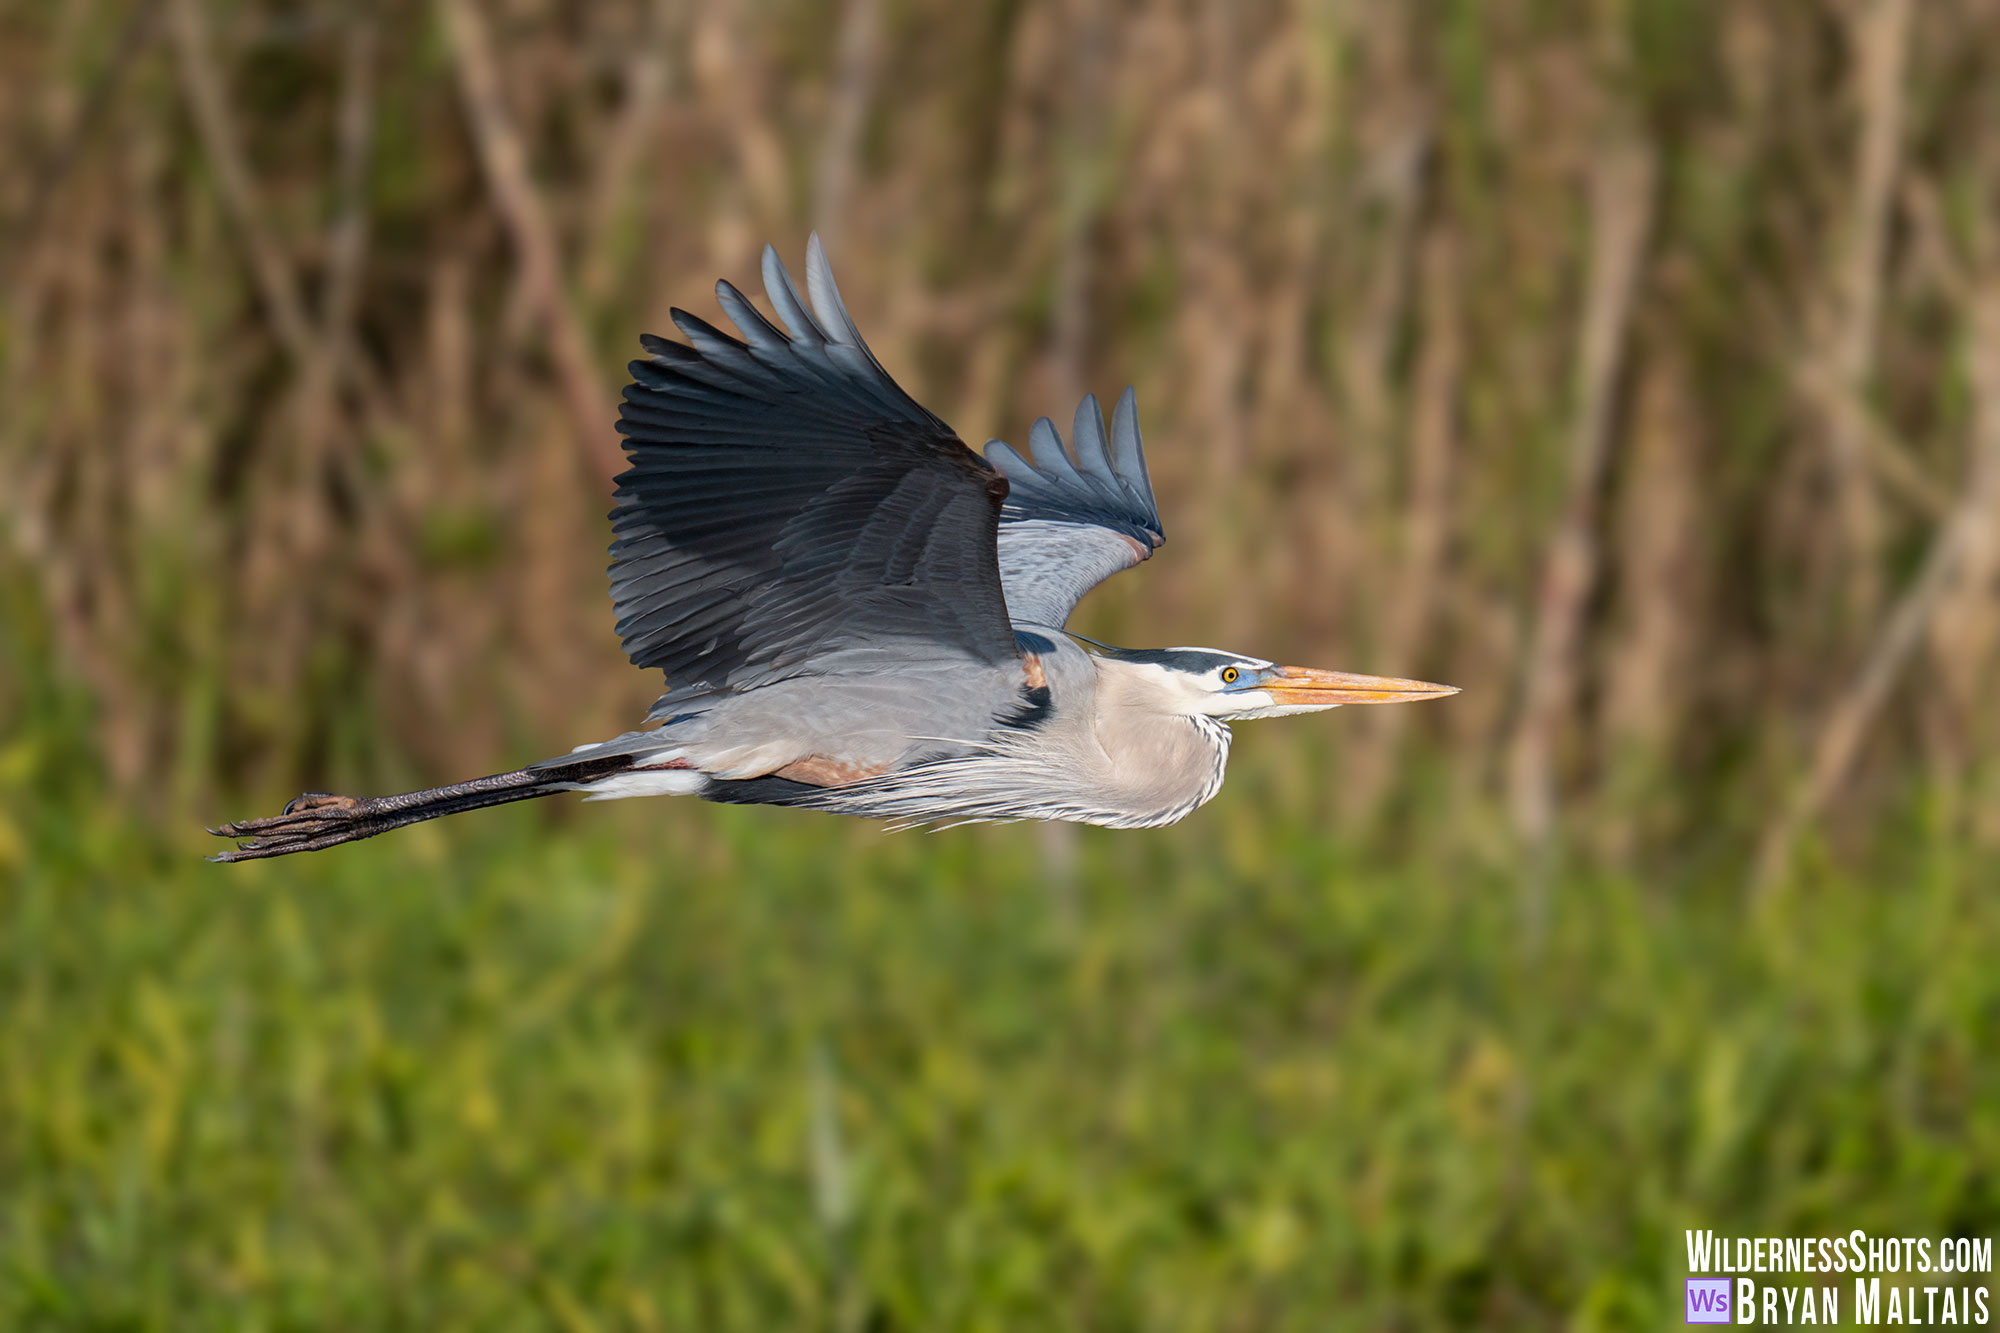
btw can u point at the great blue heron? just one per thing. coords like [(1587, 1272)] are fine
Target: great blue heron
[(856, 613)]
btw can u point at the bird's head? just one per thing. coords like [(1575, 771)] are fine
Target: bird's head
[(1230, 687)]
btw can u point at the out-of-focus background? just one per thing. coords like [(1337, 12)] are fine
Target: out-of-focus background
[(1633, 365)]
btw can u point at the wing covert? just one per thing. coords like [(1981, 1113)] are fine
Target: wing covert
[(787, 502), (1068, 525)]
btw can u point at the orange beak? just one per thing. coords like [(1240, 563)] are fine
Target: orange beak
[(1309, 686)]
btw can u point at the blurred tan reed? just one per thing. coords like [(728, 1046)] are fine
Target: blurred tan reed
[(1630, 365)]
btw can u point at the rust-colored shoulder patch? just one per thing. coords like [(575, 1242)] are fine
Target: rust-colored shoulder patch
[(819, 770), (1037, 678)]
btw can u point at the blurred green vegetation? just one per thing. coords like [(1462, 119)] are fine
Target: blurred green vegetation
[(669, 1066), (1634, 365), (737, 1069)]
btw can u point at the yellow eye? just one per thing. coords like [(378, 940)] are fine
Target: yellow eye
[(1229, 675)]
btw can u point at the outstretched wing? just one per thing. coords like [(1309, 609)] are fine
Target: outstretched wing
[(1068, 526), (789, 504)]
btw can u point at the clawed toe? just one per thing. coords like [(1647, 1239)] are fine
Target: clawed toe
[(319, 800)]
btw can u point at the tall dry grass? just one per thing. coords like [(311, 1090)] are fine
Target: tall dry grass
[(1635, 366)]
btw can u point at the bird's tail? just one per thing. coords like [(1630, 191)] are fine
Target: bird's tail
[(318, 820)]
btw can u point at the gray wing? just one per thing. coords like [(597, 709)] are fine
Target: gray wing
[(1068, 526), (787, 502)]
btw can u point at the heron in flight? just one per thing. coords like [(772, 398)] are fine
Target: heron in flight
[(857, 613)]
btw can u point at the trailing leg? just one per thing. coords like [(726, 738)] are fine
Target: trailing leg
[(317, 819)]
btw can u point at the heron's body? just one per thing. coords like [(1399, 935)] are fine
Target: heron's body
[(1070, 735), (858, 614)]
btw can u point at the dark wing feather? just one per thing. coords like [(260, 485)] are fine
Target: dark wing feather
[(1067, 526), (787, 502)]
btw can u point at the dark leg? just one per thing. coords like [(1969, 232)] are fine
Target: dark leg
[(317, 820)]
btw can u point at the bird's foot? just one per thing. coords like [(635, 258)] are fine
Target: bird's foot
[(312, 820)]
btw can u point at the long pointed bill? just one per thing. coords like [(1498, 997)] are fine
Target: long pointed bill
[(1311, 687)]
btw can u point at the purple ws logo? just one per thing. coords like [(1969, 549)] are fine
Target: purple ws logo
[(1708, 1300)]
